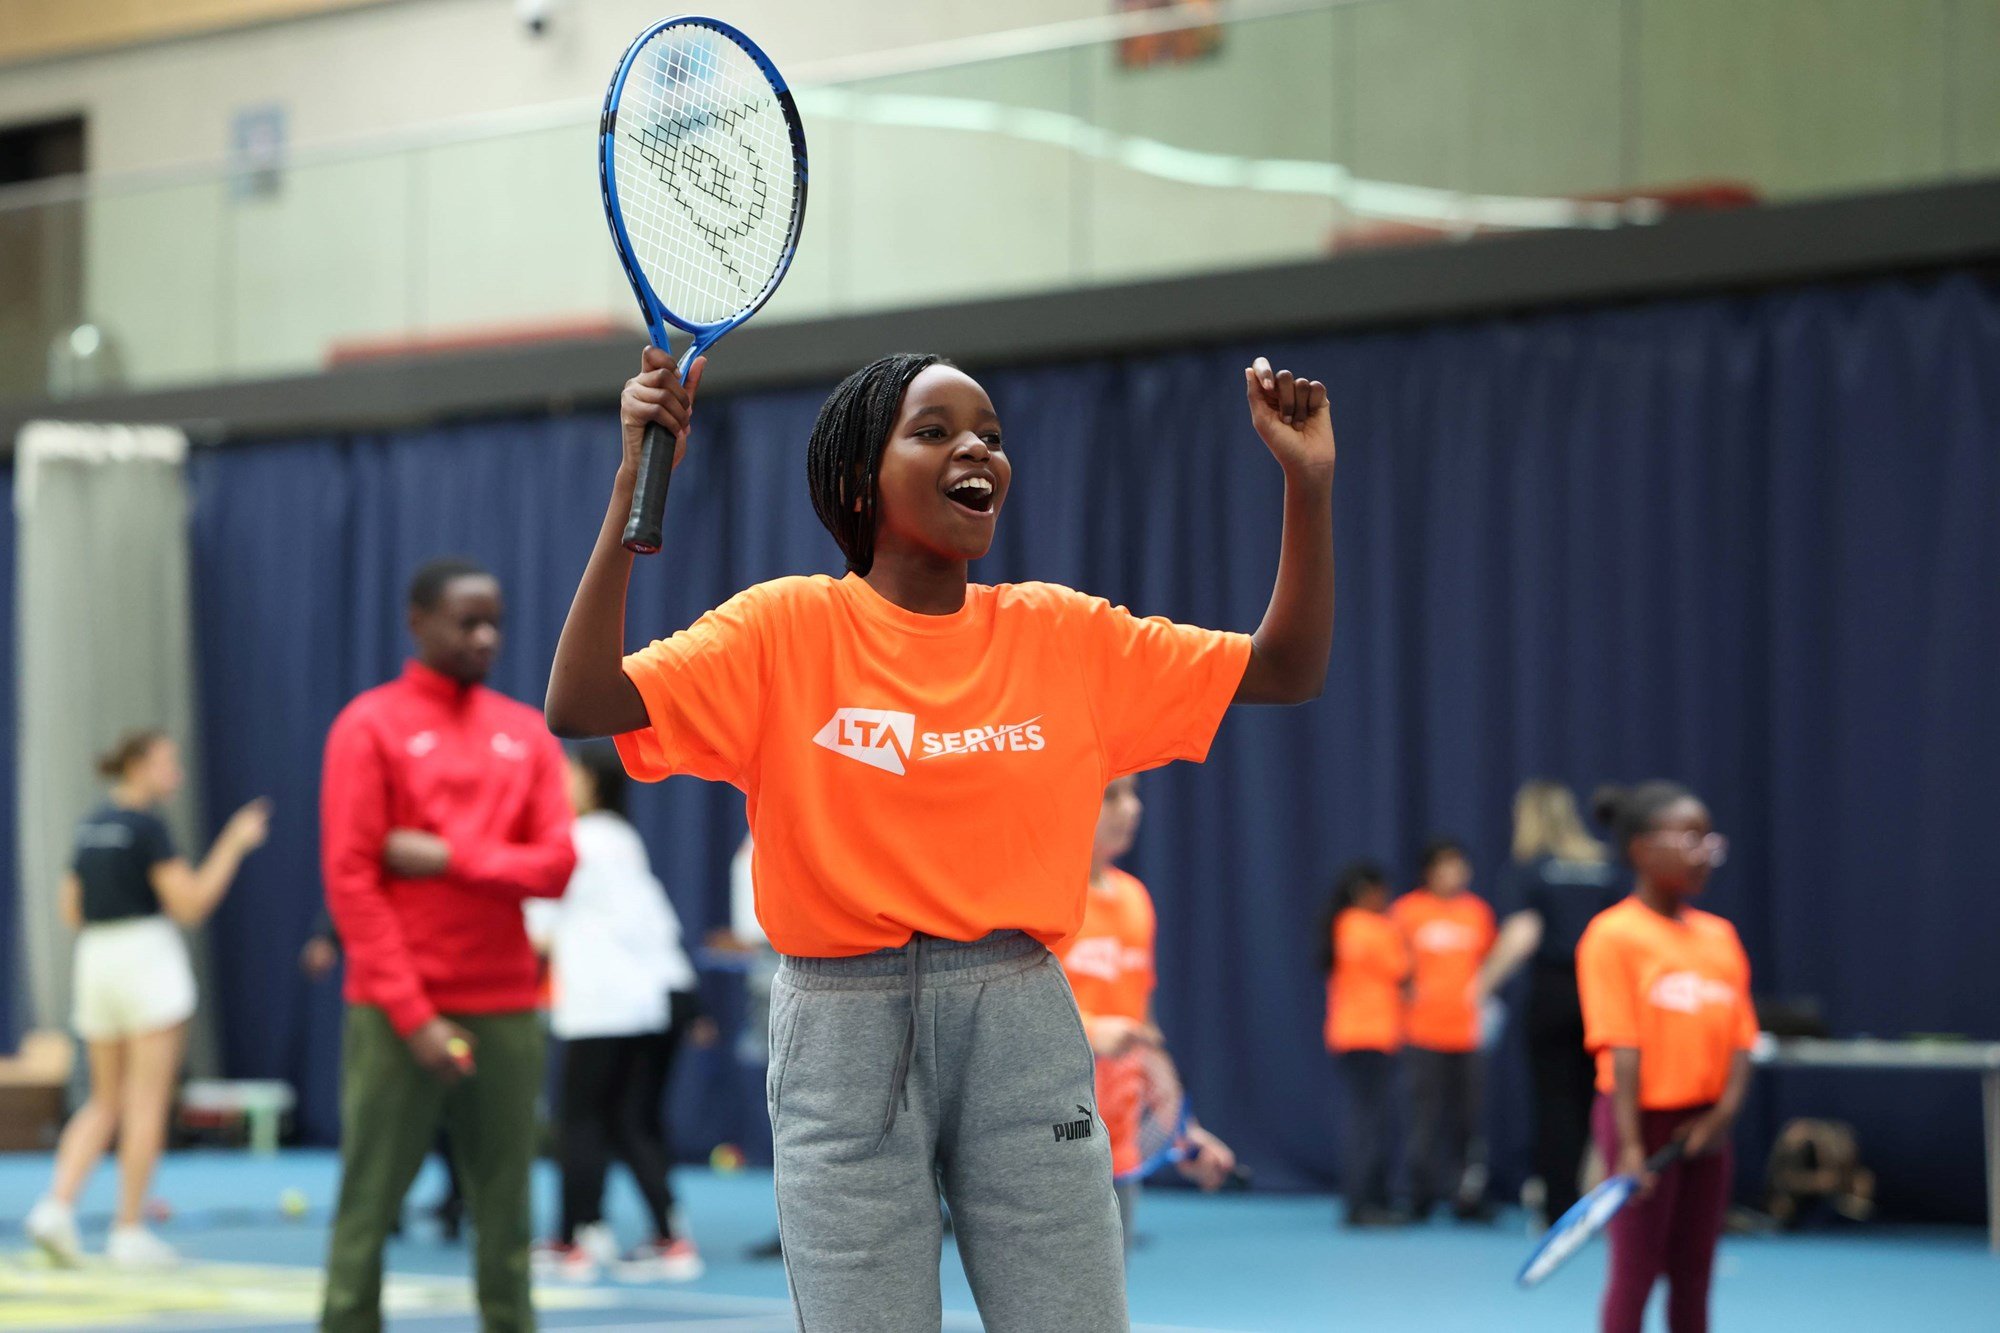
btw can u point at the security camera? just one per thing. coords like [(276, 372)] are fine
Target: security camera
[(535, 15)]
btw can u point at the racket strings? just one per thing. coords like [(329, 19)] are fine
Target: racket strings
[(705, 169), (1161, 1104)]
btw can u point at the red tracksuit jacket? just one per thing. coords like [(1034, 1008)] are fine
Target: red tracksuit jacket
[(479, 770)]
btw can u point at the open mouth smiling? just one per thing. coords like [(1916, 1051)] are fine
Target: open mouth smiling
[(974, 493)]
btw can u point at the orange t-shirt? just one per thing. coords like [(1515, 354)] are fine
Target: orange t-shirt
[(1679, 991), (908, 773), (1364, 996), (1449, 938), (1109, 963)]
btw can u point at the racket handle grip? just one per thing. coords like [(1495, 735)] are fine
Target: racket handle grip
[(649, 497)]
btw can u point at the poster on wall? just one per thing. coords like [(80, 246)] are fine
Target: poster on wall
[(256, 151), (1197, 38)]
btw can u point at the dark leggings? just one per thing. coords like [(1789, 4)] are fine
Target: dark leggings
[(1672, 1232), (1368, 1079), (1445, 1088), (1565, 1085), (614, 1105)]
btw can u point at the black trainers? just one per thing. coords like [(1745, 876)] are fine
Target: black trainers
[(1370, 1215)]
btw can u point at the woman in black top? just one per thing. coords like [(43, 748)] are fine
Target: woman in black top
[(126, 891), (1562, 877)]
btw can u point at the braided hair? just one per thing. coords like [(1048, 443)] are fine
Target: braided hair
[(844, 454)]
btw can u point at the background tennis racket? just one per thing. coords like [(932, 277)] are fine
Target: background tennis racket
[(1165, 1114), (1588, 1216), (1151, 1080), (702, 162)]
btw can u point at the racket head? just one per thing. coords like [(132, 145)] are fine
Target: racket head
[(1586, 1217), (702, 166), (1163, 1112)]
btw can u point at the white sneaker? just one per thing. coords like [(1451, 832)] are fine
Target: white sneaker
[(51, 1224), (663, 1261), (553, 1261), (136, 1247), (596, 1240)]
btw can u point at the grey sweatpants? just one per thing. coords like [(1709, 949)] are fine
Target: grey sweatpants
[(996, 1110)]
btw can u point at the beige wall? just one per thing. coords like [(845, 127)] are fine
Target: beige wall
[(37, 29), (400, 65), (1502, 97), (1792, 97), (1506, 95)]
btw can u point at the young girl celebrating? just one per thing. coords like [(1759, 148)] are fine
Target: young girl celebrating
[(1666, 1009), (923, 759)]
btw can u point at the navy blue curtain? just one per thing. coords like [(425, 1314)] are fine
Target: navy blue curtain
[(1748, 542)]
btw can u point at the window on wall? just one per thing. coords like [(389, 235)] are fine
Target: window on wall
[(41, 251)]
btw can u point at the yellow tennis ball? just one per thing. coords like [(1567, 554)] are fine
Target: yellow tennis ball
[(727, 1157), (292, 1203)]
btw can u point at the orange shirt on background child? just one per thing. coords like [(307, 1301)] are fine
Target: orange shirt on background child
[(915, 773), (1109, 963), (1449, 938), (1675, 989), (1364, 996)]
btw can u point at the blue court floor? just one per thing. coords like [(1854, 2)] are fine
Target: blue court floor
[(1241, 1263)]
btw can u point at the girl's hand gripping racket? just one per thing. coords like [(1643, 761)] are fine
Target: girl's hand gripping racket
[(1163, 1112), (1166, 1130), (702, 162), (1588, 1216)]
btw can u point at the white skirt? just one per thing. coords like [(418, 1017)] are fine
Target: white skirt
[(132, 977)]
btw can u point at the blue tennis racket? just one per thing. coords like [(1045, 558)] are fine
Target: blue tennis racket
[(702, 161), (1588, 1216)]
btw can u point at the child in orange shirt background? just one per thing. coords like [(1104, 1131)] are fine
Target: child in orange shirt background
[(1109, 963), (1449, 932), (1366, 963), (1667, 1013)]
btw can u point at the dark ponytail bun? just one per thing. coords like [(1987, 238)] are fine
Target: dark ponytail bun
[(1629, 812), (1605, 805)]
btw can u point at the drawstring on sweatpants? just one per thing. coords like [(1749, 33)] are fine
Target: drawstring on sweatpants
[(899, 1080)]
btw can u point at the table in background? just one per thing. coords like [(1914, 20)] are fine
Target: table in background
[(1980, 1057)]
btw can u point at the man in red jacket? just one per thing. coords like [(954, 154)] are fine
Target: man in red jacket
[(442, 807)]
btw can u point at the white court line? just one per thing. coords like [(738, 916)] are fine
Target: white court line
[(733, 1314), (747, 1323)]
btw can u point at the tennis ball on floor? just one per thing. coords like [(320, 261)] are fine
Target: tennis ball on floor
[(292, 1203), (727, 1157)]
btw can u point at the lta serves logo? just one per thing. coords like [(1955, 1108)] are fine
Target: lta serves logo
[(1690, 992), (884, 739), (875, 736)]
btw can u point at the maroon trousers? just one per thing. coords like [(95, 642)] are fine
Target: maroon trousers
[(1672, 1232)]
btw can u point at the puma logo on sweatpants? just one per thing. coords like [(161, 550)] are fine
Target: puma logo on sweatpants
[(1067, 1130)]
